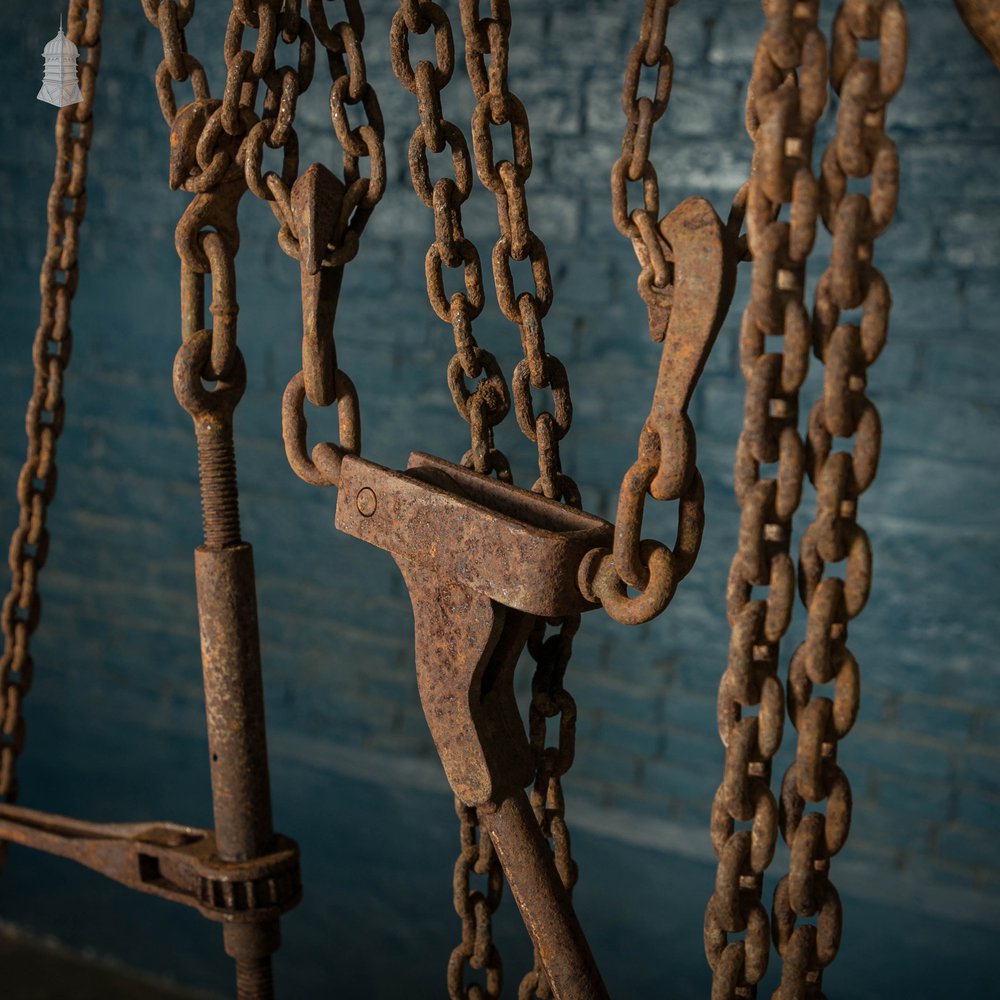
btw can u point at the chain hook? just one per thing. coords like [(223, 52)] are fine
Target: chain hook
[(703, 278)]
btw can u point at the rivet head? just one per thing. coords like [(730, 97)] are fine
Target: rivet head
[(367, 502)]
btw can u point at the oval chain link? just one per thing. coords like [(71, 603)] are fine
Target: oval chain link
[(230, 140), (485, 405), (652, 568)]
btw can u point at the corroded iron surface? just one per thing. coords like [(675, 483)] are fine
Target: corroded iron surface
[(36, 484), (482, 560), (982, 18), (179, 863)]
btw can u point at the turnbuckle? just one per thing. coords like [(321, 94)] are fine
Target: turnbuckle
[(482, 560), (168, 860)]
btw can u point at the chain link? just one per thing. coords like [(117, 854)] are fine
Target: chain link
[(551, 701), (36, 484), (486, 405), (498, 107), (859, 150), (633, 165), (475, 908)]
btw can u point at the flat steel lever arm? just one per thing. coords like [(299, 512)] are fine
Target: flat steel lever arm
[(481, 560), (703, 279), (179, 863)]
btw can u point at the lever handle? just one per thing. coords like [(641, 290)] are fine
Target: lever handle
[(179, 863)]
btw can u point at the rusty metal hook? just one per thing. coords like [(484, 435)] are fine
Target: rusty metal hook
[(693, 308)]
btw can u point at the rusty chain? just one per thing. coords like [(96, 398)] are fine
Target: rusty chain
[(665, 473), (806, 906), (218, 155), (551, 701), (475, 909), (482, 408), (205, 136), (36, 484), (496, 107), (321, 216), (485, 406), (786, 98)]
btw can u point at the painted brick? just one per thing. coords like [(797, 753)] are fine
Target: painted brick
[(980, 301), (988, 731), (933, 800), (895, 755), (607, 767), (690, 712), (672, 780), (335, 619), (936, 720), (982, 771), (618, 698), (638, 803), (878, 827), (979, 810), (632, 737), (971, 847)]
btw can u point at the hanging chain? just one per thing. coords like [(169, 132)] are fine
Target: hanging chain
[(497, 107), (36, 484), (786, 98), (322, 218), (860, 149), (550, 700), (170, 18), (475, 908), (483, 407), (634, 165), (665, 473)]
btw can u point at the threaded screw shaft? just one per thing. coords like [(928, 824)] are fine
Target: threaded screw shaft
[(254, 979), (220, 506)]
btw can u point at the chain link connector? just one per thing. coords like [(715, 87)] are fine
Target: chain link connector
[(703, 278)]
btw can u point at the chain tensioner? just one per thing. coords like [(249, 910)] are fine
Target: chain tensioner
[(483, 560)]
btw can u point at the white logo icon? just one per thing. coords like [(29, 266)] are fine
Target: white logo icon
[(60, 85)]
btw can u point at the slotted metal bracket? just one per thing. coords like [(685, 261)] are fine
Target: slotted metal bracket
[(481, 560)]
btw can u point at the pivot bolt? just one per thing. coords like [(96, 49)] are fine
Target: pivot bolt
[(367, 501)]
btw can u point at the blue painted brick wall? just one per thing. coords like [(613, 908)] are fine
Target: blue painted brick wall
[(119, 633)]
